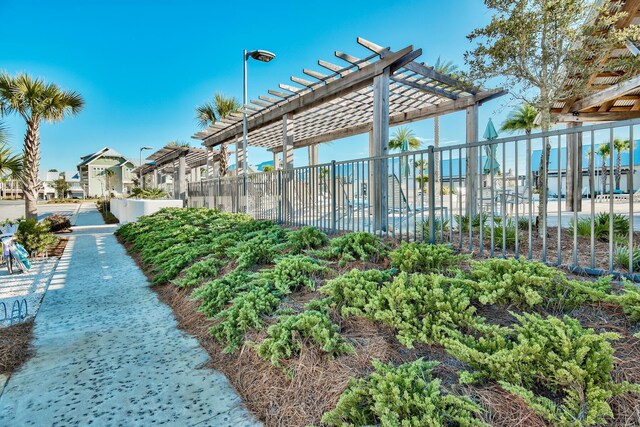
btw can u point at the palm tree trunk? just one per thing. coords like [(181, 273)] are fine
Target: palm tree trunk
[(224, 159), (603, 190), (30, 181)]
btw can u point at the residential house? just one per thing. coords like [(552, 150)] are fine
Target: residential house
[(93, 176)]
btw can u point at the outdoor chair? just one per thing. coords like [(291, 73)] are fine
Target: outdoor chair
[(398, 202)]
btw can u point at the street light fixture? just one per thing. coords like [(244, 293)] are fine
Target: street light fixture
[(141, 183), (262, 56)]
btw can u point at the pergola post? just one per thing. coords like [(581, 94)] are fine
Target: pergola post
[(313, 155), (471, 179), (287, 163), (276, 160), (211, 164), (156, 181), (379, 146), (239, 157), (181, 184), (574, 169)]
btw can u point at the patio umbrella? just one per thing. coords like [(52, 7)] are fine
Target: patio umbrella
[(490, 134), (404, 162)]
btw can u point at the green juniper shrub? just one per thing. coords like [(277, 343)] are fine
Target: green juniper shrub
[(197, 272), (406, 396), (530, 284), (218, 293), (552, 354), (306, 238), (423, 308), (358, 246), (284, 339), (419, 257), (262, 248), (629, 300), (35, 236), (352, 291), (246, 312), (293, 272)]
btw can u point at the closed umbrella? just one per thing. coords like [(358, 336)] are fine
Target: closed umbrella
[(491, 163)]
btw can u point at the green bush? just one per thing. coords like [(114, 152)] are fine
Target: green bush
[(151, 193), (525, 283), (406, 396), (353, 291), (203, 269), (423, 308), (260, 249), (245, 312), (306, 238), (556, 355), (35, 236), (502, 234), (601, 226), (293, 272), (476, 222), (358, 246), (424, 258), (284, 339), (621, 257), (441, 227), (217, 294)]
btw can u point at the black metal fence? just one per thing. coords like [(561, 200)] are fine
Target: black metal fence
[(494, 206)]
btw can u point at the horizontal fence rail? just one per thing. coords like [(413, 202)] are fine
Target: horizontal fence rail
[(487, 197)]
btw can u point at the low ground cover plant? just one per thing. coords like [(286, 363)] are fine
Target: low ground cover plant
[(285, 338), (406, 395), (240, 271)]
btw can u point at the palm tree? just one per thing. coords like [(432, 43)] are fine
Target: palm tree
[(604, 151), (210, 112), (108, 174), (619, 146), (445, 67), (522, 119), (401, 135), (35, 101)]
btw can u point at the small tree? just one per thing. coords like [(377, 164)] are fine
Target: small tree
[(619, 146), (210, 112), (547, 50), (61, 186), (604, 151), (268, 168), (108, 174), (400, 136)]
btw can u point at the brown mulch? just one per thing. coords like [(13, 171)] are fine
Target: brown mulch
[(312, 383), (15, 347), (58, 249)]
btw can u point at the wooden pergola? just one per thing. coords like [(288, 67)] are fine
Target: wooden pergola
[(178, 161), (612, 95), (361, 95)]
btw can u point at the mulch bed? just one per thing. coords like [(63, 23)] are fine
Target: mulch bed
[(15, 347), (312, 383)]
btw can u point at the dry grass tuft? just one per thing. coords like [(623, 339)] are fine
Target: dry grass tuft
[(15, 347)]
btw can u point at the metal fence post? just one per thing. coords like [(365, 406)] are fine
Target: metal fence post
[(334, 206), (431, 160)]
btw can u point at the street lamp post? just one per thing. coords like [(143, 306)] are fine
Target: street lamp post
[(141, 183), (262, 56)]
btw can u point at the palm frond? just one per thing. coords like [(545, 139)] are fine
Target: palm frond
[(206, 114), (522, 119), (401, 135)]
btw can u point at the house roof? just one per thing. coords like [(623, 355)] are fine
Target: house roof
[(104, 152)]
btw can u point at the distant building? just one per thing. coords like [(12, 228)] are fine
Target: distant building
[(93, 168)]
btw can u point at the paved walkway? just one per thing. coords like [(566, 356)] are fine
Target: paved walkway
[(109, 353)]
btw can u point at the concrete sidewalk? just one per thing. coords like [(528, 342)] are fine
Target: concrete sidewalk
[(109, 353)]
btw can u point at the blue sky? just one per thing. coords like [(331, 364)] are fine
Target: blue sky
[(144, 66)]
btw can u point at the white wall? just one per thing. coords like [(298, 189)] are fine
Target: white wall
[(129, 210)]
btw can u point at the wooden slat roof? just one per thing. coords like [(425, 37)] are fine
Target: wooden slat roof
[(164, 158), (338, 102), (611, 95)]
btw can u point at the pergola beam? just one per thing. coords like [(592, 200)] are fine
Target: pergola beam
[(605, 95)]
